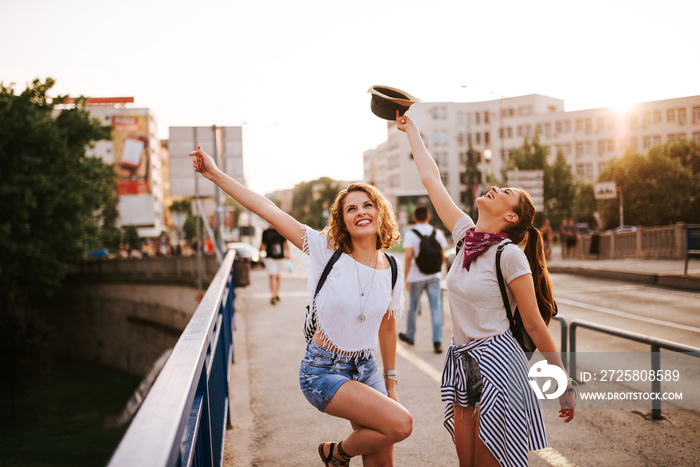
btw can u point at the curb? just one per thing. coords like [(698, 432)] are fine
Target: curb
[(669, 281)]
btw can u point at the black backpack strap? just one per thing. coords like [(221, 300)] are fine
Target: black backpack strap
[(501, 282), (460, 244), (420, 235), (327, 270), (394, 269)]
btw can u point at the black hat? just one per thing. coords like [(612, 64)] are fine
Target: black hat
[(386, 101)]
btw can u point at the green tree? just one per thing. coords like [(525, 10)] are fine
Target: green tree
[(189, 228), (312, 200), (688, 154), (560, 193), (585, 204), (655, 188), (53, 195), (54, 203), (530, 156)]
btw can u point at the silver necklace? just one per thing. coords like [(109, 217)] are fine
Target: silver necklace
[(361, 317)]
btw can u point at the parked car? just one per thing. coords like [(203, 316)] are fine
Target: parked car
[(583, 228), (246, 251), (622, 229)]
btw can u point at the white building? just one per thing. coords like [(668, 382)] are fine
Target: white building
[(589, 139), (135, 153)]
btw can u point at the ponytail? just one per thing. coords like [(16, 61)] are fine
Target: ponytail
[(534, 251)]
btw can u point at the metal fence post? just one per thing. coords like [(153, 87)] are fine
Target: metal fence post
[(656, 382)]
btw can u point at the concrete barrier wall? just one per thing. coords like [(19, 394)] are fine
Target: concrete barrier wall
[(123, 325), (172, 269), (668, 242)]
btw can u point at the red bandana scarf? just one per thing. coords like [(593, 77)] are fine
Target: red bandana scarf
[(476, 243)]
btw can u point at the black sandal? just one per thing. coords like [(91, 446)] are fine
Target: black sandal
[(332, 461)]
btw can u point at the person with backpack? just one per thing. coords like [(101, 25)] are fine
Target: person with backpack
[(275, 246), (423, 248), (353, 307), (491, 411)]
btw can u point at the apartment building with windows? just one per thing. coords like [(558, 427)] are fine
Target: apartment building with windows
[(589, 139)]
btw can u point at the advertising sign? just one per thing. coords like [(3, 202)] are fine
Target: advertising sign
[(131, 157), (605, 190), (532, 182)]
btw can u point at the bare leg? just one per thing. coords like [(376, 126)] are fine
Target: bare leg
[(384, 457), (471, 451), (380, 422), (274, 285)]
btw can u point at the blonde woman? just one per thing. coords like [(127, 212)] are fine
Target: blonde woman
[(356, 305)]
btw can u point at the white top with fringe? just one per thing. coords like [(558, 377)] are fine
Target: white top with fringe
[(339, 303)]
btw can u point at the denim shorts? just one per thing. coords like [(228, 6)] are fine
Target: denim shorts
[(475, 383), (323, 371)]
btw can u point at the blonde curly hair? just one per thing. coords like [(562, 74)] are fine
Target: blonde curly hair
[(337, 231)]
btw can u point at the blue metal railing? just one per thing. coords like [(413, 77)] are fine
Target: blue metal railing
[(183, 420)]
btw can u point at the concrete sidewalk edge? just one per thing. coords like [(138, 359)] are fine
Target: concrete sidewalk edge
[(671, 281)]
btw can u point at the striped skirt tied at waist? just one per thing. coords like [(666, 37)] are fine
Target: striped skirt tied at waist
[(511, 420)]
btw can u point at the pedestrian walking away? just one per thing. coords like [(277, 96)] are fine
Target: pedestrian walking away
[(547, 236), (564, 237), (491, 412), (275, 246), (354, 306), (424, 255), (571, 238)]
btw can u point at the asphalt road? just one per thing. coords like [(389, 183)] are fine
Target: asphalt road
[(273, 424)]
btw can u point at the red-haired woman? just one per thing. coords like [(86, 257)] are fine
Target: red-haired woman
[(356, 305), (491, 412)]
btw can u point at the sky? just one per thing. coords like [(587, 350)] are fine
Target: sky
[(295, 74)]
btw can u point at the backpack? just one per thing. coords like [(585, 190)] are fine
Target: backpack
[(429, 259), (310, 325)]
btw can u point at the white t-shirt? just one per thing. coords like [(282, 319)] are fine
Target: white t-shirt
[(475, 298), (411, 240), (339, 303)]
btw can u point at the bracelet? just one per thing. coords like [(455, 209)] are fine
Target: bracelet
[(391, 374), (571, 382)]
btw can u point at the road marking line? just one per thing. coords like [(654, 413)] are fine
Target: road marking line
[(549, 455), (554, 458), (619, 288), (622, 314), (422, 365), (282, 294)]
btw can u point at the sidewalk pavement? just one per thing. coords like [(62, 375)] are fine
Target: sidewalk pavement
[(274, 424), (667, 273)]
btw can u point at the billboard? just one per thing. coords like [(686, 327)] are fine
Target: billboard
[(532, 182), (605, 190), (131, 153)]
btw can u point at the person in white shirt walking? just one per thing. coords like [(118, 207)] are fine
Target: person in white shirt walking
[(423, 247)]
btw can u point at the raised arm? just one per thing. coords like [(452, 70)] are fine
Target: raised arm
[(429, 173), (285, 224)]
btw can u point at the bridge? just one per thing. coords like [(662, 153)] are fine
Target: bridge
[(206, 410)]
